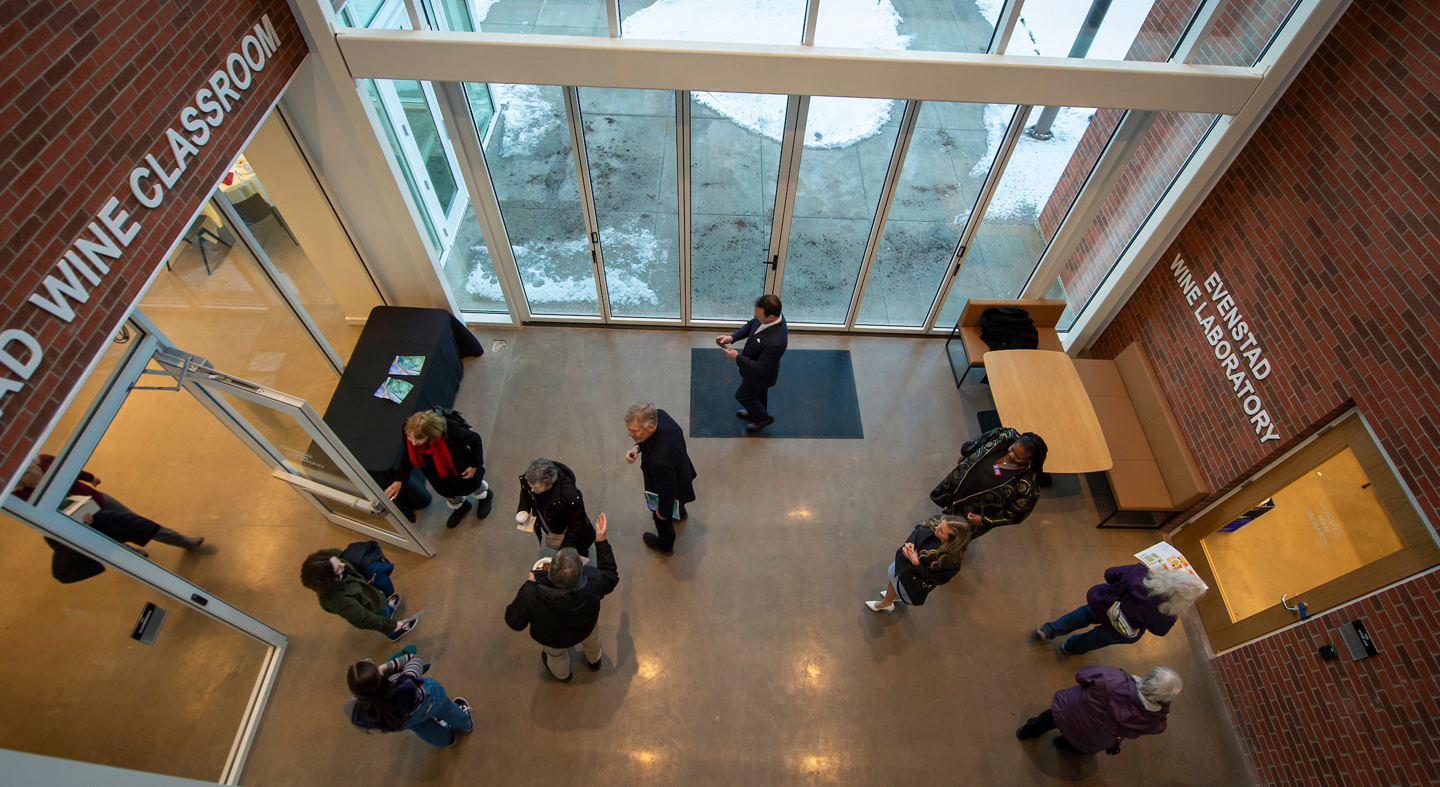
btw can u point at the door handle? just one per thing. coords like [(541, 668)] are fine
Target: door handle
[(1299, 607), (772, 262)]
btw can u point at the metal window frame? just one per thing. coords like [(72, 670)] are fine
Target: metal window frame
[(802, 71), (1297, 38), (42, 514)]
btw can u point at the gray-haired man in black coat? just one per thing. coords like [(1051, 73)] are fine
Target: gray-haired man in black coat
[(561, 604)]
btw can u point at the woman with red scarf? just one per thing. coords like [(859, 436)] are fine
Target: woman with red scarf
[(452, 459)]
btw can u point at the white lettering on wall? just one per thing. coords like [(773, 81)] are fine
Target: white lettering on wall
[(113, 229), (1218, 317)]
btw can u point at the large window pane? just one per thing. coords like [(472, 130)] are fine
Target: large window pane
[(543, 17), (630, 149), (933, 25), (944, 170), (733, 21), (1011, 238), (734, 170), (1239, 38), (1050, 28), (532, 165), (848, 142), (395, 149)]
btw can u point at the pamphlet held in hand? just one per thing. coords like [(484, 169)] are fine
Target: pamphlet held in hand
[(394, 390), (1165, 556), (407, 365)]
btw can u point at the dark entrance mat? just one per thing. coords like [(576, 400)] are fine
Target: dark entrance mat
[(814, 398)]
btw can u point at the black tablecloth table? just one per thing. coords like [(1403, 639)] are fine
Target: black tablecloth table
[(371, 427)]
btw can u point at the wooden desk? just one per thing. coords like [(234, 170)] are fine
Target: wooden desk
[(1039, 391)]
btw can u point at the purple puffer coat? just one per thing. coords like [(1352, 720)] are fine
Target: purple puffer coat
[(1104, 708), (1126, 584)]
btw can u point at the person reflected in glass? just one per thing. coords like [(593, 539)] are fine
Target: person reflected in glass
[(996, 480), (395, 696), (451, 457), (929, 558), (1133, 600), (114, 519), (549, 496)]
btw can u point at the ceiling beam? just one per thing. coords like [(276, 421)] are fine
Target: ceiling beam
[(794, 70)]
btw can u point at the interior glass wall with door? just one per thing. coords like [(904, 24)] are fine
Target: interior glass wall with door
[(278, 198), (217, 300), (91, 692)]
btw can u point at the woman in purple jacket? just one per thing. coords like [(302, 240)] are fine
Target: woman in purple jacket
[(1107, 707), (1134, 599)]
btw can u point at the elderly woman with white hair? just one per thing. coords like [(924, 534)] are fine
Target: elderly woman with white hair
[(1134, 599), (1107, 707)]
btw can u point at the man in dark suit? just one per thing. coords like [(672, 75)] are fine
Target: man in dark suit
[(759, 362)]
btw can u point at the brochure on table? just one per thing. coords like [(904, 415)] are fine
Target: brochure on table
[(407, 365), (394, 390)]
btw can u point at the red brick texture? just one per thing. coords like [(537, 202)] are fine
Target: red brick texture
[(1326, 229), (87, 90), (1303, 720)]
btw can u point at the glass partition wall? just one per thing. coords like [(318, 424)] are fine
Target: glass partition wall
[(873, 214)]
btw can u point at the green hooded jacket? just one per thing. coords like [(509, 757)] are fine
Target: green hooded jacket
[(356, 600)]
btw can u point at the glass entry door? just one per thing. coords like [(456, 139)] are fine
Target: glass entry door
[(299, 447)]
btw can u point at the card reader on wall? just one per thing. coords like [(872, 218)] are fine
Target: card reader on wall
[(1357, 641)]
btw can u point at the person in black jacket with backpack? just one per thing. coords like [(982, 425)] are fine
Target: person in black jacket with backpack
[(561, 605), (451, 458), (548, 494)]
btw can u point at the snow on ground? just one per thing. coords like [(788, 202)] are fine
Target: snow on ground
[(635, 255), (1046, 28), (833, 122)]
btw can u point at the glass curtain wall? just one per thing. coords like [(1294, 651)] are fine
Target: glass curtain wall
[(416, 138), (848, 147), (630, 151), (945, 168), (734, 174), (1239, 38), (529, 153)]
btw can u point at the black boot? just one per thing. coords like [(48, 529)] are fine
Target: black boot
[(458, 515)]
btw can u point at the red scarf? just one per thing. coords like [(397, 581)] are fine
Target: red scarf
[(438, 452)]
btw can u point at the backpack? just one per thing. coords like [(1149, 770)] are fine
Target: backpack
[(452, 416)]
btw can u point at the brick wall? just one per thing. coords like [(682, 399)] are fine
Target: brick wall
[(1326, 228), (1303, 720), (87, 90)]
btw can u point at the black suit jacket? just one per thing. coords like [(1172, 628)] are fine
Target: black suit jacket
[(759, 362)]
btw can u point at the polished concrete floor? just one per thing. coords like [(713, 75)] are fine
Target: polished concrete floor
[(747, 657)]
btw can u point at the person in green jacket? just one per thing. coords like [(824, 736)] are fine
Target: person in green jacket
[(345, 590)]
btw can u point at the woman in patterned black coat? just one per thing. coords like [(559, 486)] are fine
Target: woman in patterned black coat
[(995, 482)]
